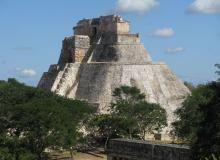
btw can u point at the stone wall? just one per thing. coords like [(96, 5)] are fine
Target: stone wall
[(126, 38), (67, 49), (74, 49), (95, 82), (123, 27), (122, 53), (120, 149), (83, 27), (47, 81), (103, 24), (82, 45)]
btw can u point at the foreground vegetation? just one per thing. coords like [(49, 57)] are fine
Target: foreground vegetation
[(32, 120), (199, 120), (212, 157), (130, 116)]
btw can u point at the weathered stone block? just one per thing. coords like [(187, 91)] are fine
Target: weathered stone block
[(143, 150)]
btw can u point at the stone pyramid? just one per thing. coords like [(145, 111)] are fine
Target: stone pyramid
[(102, 55)]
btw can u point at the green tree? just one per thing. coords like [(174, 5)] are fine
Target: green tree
[(32, 120), (130, 116), (137, 115), (190, 115), (102, 126), (199, 120), (105, 126), (208, 133), (150, 118)]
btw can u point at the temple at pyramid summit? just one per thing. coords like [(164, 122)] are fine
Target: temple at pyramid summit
[(102, 55)]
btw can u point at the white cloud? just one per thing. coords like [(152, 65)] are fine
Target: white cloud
[(163, 32), (174, 50), (205, 6), (135, 6), (26, 72)]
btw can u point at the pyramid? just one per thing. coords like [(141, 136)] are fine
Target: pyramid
[(103, 55)]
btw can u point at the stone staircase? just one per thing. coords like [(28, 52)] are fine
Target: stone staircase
[(63, 79), (96, 41), (66, 81)]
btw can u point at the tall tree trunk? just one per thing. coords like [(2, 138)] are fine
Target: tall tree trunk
[(106, 143)]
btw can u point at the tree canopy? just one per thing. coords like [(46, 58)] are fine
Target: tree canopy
[(130, 116), (199, 119), (32, 120)]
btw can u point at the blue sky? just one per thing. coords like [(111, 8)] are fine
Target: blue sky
[(183, 34)]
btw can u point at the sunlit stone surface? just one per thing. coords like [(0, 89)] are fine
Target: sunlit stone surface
[(102, 55)]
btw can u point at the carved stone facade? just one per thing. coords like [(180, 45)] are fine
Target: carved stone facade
[(74, 49), (121, 149), (103, 55), (104, 24)]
